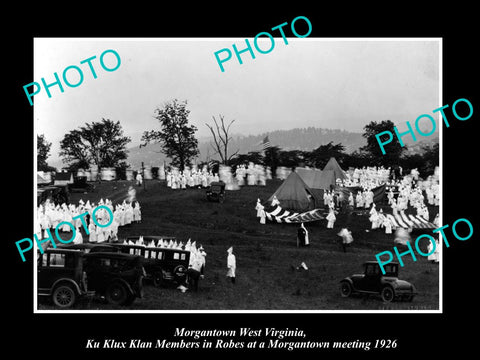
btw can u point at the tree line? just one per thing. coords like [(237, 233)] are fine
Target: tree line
[(104, 145)]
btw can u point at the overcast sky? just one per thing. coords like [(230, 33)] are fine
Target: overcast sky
[(328, 83)]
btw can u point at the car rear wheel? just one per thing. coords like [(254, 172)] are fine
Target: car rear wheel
[(345, 289), (387, 294), (64, 296), (158, 279), (117, 294)]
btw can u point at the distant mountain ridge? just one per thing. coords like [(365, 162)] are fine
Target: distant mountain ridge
[(295, 139), (305, 139)]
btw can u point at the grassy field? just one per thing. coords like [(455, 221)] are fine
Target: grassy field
[(267, 256)]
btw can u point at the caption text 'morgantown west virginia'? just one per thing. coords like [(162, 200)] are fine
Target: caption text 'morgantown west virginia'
[(243, 332)]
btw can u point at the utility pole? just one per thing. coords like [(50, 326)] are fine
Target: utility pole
[(143, 177)]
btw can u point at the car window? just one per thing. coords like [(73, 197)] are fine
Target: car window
[(176, 256), (105, 262), (57, 260), (372, 269), (42, 261), (390, 269), (183, 256), (70, 261)]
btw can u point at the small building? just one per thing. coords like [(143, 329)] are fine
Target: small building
[(63, 178), (43, 178)]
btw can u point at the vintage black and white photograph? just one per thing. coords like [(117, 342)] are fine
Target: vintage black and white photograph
[(212, 175)]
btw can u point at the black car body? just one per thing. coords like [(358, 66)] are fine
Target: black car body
[(80, 184), (61, 275), (372, 281), (216, 191), (114, 275), (162, 265)]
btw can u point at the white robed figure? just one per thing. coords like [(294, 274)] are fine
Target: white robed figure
[(137, 213), (275, 201), (259, 207), (402, 236), (100, 234), (346, 236), (262, 216), (325, 198), (128, 214), (78, 236), (359, 199), (331, 219), (351, 201), (390, 196), (306, 240), (394, 207), (92, 229), (387, 224), (131, 194), (190, 181), (374, 217), (121, 215), (231, 265), (204, 180), (67, 218), (239, 177)]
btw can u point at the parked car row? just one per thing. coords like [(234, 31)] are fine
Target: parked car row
[(114, 271)]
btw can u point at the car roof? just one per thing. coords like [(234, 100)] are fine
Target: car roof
[(111, 255), (147, 247), (62, 251), (375, 262), (82, 246)]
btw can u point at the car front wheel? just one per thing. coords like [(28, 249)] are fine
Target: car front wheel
[(64, 296), (117, 294), (387, 294), (345, 289)]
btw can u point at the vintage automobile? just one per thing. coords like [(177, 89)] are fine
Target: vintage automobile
[(80, 184), (116, 276), (372, 281), (61, 275), (216, 191), (162, 265)]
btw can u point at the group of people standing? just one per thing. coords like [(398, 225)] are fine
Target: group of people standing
[(254, 174), (50, 215), (187, 178)]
